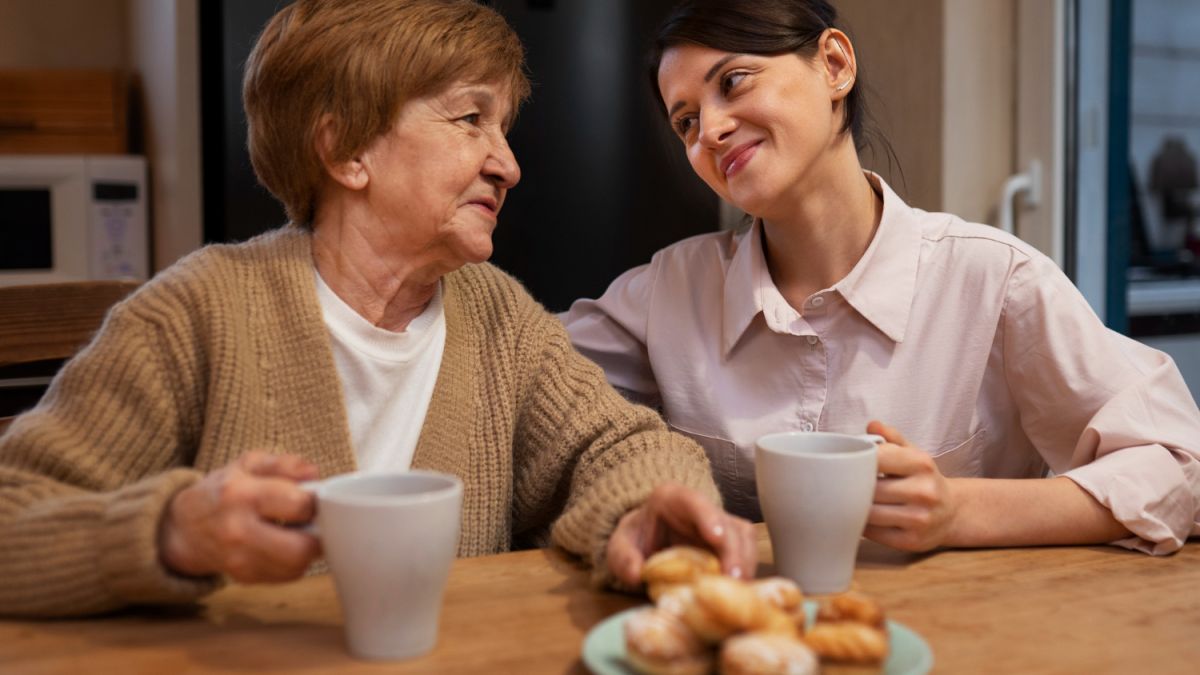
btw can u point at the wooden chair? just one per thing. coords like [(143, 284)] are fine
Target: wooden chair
[(48, 323)]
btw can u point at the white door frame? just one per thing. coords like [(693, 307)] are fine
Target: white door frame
[(1088, 152), (1040, 122)]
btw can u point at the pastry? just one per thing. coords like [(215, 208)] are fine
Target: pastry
[(659, 643), (784, 594), (676, 599), (758, 625), (781, 623), (848, 642), (677, 565), (766, 654), (851, 606), (658, 590), (723, 606)]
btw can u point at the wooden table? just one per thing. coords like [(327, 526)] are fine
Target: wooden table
[(1063, 610)]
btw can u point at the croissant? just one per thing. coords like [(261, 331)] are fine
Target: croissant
[(722, 606), (758, 625), (783, 594), (848, 642), (766, 654), (676, 599), (851, 606), (677, 565), (659, 643)]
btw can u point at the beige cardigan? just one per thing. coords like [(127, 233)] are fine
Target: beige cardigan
[(227, 351)]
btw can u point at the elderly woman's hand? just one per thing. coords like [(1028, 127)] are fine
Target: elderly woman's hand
[(674, 515), (229, 521)]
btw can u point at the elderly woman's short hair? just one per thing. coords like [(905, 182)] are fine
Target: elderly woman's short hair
[(360, 61)]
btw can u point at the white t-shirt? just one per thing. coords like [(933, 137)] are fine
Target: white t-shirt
[(387, 378)]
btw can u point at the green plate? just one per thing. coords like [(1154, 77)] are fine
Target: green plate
[(604, 647)]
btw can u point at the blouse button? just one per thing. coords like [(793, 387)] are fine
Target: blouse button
[(807, 426), (812, 339), (818, 301)]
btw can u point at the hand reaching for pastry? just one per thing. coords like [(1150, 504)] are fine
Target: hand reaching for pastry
[(674, 515), (914, 505)]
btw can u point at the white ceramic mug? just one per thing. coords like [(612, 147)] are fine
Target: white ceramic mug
[(389, 539), (816, 490)]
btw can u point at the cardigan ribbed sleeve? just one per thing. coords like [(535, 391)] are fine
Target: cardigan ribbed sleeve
[(84, 479), (223, 353), (583, 451)]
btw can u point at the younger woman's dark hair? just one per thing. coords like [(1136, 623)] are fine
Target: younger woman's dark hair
[(763, 27)]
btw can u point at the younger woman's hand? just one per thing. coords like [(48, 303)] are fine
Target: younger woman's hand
[(914, 507)]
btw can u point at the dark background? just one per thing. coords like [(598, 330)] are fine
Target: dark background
[(604, 184)]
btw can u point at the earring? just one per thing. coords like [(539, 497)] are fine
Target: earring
[(842, 86)]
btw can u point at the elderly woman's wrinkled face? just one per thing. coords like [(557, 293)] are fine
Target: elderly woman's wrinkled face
[(438, 178)]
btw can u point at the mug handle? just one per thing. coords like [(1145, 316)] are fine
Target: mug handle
[(312, 487), (877, 440)]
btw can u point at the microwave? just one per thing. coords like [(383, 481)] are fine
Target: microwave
[(72, 218)]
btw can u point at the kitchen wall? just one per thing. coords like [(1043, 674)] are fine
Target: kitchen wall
[(163, 44), (940, 70), (978, 106), (940, 74), (64, 34), (156, 41), (900, 47)]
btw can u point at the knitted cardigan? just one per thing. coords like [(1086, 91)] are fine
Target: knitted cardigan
[(227, 351)]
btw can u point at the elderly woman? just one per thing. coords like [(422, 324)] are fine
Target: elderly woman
[(367, 335)]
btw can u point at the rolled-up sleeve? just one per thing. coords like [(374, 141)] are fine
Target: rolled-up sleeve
[(1111, 414)]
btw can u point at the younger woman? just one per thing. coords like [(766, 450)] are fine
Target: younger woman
[(842, 304)]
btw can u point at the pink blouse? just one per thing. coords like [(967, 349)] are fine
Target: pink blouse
[(969, 341)]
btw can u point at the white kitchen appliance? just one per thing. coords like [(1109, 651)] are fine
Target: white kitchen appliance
[(72, 217)]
